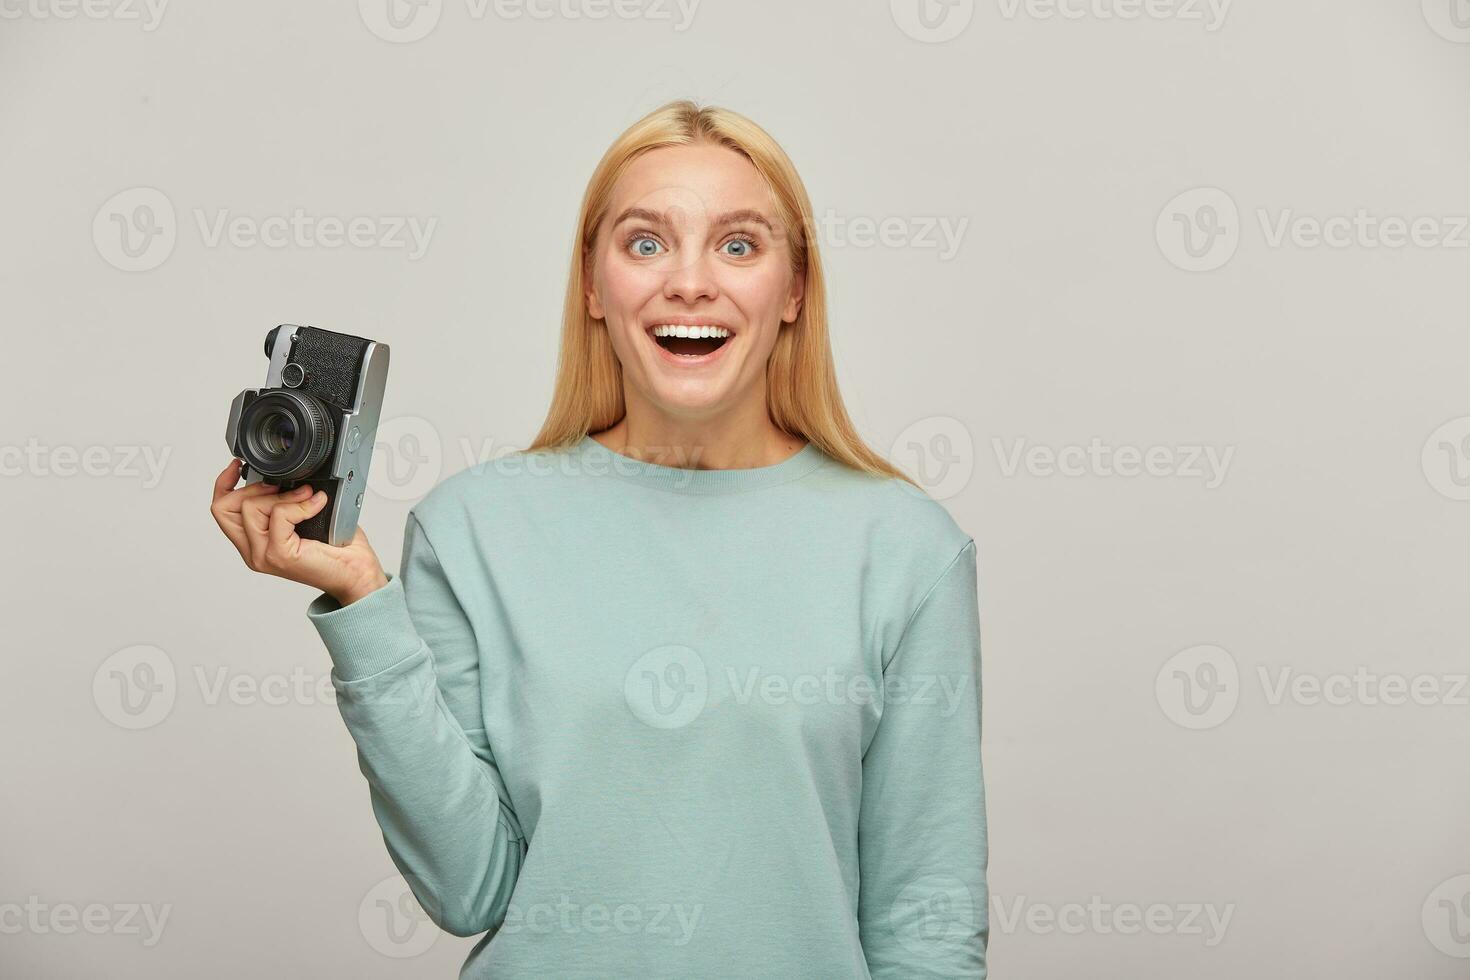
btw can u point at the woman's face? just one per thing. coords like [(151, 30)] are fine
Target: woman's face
[(691, 245)]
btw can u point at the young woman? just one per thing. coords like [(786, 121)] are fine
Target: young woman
[(689, 687)]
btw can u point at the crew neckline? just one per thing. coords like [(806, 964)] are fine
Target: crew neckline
[(678, 479)]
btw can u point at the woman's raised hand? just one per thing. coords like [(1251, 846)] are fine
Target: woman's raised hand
[(260, 522)]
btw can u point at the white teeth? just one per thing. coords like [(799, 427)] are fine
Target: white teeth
[(679, 330)]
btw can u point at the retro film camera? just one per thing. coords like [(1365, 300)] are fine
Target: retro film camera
[(313, 422)]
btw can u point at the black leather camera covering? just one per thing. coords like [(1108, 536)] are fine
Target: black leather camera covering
[(334, 365), (334, 361)]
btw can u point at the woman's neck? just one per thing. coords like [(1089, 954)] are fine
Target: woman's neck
[(725, 444)]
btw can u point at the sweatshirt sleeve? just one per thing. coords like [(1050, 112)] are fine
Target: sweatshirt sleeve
[(406, 672), (923, 901)]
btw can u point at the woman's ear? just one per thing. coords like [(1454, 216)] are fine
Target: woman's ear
[(589, 291), (793, 300)]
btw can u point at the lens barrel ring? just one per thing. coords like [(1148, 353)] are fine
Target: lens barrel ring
[(286, 435)]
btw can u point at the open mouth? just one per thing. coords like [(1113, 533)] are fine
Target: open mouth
[(689, 341)]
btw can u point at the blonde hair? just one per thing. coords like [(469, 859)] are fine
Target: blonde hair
[(802, 398)]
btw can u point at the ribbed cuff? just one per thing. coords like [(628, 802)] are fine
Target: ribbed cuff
[(369, 635)]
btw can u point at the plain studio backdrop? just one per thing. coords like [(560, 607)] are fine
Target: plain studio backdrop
[(1164, 300)]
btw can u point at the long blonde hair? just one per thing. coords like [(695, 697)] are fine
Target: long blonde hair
[(802, 398)]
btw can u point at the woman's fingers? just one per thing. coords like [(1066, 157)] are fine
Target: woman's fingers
[(260, 520), (255, 516), (227, 502), (230, 498), (226, 505), (227, 479), (283, 546)]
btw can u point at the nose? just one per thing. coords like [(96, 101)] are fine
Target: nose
[(692, 279)]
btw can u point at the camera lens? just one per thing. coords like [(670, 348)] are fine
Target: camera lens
[(277, 432), (287, 434)]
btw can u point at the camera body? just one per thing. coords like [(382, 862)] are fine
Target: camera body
[(314, 422)]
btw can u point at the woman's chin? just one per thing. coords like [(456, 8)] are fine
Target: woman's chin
[(686, 396)]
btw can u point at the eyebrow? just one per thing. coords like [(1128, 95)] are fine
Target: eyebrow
[(729, 218)]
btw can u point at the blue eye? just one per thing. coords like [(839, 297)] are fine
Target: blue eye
[(743, 248), (645, 246)]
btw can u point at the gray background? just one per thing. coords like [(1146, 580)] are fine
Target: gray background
[(1140, 753)]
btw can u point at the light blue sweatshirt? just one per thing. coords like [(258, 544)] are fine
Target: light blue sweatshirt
[(635, 720)]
